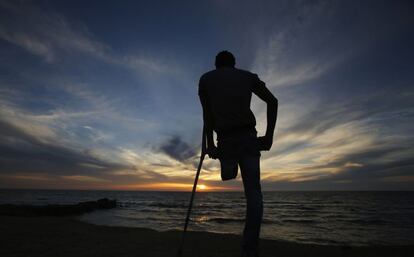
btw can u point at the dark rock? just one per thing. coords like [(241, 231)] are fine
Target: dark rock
[(56, 209)]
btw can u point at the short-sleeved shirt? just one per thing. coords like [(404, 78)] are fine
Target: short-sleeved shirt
[(227, 92)]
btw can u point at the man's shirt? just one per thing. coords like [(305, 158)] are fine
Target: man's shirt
[(226, 95)]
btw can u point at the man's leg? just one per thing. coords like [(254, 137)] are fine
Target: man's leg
[(250, 171)]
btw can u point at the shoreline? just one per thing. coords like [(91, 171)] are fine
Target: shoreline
[(69, 236)]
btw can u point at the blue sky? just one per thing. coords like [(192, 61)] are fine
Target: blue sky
[(103, 94)]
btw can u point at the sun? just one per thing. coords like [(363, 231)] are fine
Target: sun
[(202, 187)]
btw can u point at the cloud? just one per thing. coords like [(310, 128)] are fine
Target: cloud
[(380, 165), (292, 53), (85, 178), (50, 35), (328, 140), (383, 161), (29, 161), (177, 149), (56, 146), (334, 126), (44, 34), (23, 153)]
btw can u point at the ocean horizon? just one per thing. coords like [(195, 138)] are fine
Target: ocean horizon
[(314, 217)]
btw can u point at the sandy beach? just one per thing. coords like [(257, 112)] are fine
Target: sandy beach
[(63, 236)]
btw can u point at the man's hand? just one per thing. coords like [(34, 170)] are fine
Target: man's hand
[(212, 152), (265, 143)]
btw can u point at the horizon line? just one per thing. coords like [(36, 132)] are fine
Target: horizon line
[(206, 191)]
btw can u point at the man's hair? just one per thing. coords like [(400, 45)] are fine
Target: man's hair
[(225, 59)]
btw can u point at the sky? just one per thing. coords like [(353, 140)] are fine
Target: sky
[(103, 94)]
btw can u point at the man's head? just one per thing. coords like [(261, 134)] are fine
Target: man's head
[(225, 59)]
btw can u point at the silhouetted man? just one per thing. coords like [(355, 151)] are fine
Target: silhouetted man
[(225, 94)]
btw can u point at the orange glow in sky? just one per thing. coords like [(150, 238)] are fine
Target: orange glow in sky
[(171, 187), (202, 187)]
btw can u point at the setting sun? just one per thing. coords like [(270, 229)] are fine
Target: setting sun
[(202, 187)]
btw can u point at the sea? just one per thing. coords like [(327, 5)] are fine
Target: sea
[(325, 218)]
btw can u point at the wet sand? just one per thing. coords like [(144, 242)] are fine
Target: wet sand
[(63, 236)]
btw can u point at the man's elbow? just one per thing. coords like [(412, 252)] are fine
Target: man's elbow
[(273, 103)]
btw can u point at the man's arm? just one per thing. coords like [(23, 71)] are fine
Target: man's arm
[(264, 94), (208, 124)]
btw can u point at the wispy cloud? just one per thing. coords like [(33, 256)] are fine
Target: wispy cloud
[(323, 135), (51, 36), (45, 34), (40, 156), (338, 144), (292, 53)]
